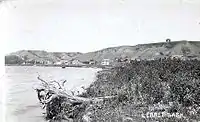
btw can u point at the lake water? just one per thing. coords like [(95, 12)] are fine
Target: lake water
[(22, 104)]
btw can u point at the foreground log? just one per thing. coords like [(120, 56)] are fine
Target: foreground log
[(59, 105)]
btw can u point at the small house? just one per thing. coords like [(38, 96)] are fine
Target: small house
[(105, 62), (92, 62), (76, 62)]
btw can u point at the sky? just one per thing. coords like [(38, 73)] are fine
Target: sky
[(90, 25)]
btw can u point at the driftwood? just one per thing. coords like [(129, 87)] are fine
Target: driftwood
[(60, 105)]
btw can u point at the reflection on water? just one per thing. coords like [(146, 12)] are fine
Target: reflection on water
[(21, 100)]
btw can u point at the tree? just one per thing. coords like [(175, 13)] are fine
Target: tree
[(185, 50), (168, 40)]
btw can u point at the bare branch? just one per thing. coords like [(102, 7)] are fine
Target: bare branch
[(63, 83), (42, 80), (58, 84)]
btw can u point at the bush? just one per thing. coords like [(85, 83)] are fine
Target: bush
[(185, 50), (151, 82)]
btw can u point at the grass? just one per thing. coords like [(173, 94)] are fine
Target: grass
[(141, 85), (142, 90)]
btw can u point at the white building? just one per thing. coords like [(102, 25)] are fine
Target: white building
[(76, 62), (49, 62), (177, 56), (105, 62), (58, 63)]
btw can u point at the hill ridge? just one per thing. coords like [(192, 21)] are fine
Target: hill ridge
[(142, 51)]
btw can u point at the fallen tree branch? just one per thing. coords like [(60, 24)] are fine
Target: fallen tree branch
[(42, 80), (53, 98)]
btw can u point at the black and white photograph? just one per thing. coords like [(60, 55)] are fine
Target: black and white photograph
[(100, 60)]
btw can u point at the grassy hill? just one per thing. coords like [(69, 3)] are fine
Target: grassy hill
[(145, 51), (40, 55), (141, 51), (146, 90)]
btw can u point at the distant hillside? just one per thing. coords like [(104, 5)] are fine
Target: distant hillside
[(145, 51), (141, 51), (37, 55)]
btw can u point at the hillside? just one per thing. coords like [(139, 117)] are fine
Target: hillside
[(148, 91), (145, 51), (37, 55), (141, 51)]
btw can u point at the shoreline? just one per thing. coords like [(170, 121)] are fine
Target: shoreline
[(27, 82), (79, 66)]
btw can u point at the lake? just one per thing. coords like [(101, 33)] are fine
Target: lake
[(22, 104)]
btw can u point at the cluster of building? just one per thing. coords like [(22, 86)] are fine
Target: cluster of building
[(90, 62), (37, 62), (103, 62)]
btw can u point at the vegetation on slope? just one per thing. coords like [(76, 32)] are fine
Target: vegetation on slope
[(171, 84), (158, 90), (144, 51)]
